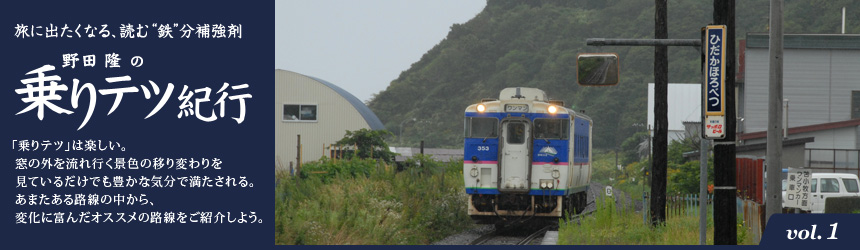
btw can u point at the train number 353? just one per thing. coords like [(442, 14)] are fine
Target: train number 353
[(483, 148)]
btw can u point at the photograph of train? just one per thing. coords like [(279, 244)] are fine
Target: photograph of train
[(580, 122)]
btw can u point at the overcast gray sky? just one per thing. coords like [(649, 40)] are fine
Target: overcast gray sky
[(363, 45)]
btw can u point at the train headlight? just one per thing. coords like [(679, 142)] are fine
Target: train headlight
[(481, 108), (546, 184), (556, 174), (474, 172), (552, 109)]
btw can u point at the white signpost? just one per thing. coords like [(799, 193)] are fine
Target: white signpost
[(797, 192), (608, 190), (713, 88)]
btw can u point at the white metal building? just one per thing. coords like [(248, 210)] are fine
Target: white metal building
[(821, 77), (821, 81), (319, 111)]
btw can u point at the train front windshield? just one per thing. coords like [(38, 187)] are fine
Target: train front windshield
[(552, 129), (482, 127)]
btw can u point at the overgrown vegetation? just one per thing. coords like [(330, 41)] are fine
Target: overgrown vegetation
[(367, 144), (514, 43), (611, 225), (366, 202), (683, 175)]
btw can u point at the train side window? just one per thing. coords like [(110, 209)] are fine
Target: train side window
[(581, 150), (583, 141), (585, 147), (479, 127), (814, 184)]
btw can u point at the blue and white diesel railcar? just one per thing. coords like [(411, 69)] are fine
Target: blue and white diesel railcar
[(525, 156)]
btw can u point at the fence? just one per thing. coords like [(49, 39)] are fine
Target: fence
[(749, 210), (687, 205), (753, 215), (750, 179), (750, 195)]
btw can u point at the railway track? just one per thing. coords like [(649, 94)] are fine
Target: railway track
[(516, 236), (539, 233), (521, 235)]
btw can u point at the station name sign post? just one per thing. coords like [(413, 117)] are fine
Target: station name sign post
[(713, 89)]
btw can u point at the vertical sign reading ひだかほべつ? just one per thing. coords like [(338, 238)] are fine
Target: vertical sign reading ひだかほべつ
[(713, 105)]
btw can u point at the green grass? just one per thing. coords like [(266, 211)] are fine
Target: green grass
[(610, 225), (362, 202)]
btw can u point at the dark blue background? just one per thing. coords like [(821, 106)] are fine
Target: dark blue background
[(847, 231), (246, 149)]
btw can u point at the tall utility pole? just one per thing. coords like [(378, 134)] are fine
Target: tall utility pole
[(725, 209), (661, 86), (774, 116), (661, 119), (703, 187)]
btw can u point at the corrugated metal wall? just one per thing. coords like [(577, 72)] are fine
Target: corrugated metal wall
[(817, 82), (334, 116), (839, 138)]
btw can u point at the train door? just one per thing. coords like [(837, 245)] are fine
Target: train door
[(515, 156)]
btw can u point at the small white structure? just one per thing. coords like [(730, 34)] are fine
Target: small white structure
[(319, 111), (685, 105), (438, 154)]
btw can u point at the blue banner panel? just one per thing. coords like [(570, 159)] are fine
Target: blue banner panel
[(820, 231), (137, 124)]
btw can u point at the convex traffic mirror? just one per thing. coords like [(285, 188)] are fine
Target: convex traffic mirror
[(597, 69)]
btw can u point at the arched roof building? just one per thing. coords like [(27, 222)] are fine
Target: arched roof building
[(319, 111)]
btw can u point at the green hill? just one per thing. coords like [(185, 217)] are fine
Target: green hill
[(535, 43)]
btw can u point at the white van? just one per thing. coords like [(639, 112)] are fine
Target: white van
[(825, 185)]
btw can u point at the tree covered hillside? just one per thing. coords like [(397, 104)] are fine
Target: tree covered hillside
[(535, 43)]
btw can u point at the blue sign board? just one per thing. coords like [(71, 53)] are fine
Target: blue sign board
[(715, 70)]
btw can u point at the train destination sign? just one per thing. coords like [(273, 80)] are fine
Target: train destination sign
[(516, 108)]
